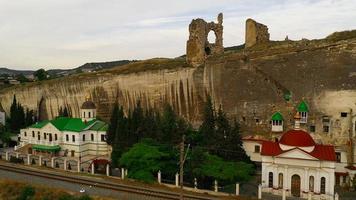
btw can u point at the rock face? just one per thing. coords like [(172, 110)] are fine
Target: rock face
[(198, 46), (256, 33)]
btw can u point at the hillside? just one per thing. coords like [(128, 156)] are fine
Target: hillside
[(94, 66), (250, 84)]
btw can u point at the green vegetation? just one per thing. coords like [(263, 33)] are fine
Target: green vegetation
[(343, 35), (146, 141), (40, 74), (22, 191)]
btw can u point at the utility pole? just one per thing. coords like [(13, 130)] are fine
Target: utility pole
[(181, 164)]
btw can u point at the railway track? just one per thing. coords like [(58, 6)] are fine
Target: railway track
[(148, 192)]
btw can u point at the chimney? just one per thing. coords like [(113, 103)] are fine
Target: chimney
[(297, 121)]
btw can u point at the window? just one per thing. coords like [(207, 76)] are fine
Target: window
[(257, 149), (67, 137), (280, 180), (72, 153), (89, 113), (84, 114), (344, 179), (33, 133), (326, 119), (73, 138), (338, 157), (326, 129), (83, 138), (38, 136), (103, 138), (311, 183), (92, 137), (343, 114), (44, 136), (322, 185), (257, 120), (312, 128), (50, 137), (25, 134), (55, 137), (270, 179)]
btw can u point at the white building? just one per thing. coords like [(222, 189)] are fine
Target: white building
[(64, 136), (298, 165)]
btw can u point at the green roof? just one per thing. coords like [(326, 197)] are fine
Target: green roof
[(277, 116), (303, 107), (46, 148), (73, 124), (99, 126)]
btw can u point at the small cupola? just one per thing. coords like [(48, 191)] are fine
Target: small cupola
[(303, 110), (88, 110), (277, 122), (297, 119)]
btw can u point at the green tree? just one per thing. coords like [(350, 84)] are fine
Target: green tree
[(144, 160), (41, 74), (29, 117), (17, 115), (207, 128), (113, 124)]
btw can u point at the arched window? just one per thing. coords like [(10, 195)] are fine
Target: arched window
[(270, 179), (311, 183), (89, 113), (84, 114), (322, 185), (280, 180)]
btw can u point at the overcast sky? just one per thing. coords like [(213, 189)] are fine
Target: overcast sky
[(69, 33)]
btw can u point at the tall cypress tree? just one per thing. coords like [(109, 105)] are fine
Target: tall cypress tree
[(169, 125), (137, 122), (207, 128), (13, 114), (222, 132), (66, 112), (113, 124)]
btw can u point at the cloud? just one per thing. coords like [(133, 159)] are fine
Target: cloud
[(67, 33)]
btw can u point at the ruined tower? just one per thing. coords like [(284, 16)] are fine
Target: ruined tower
[(256, 33), (198, 46)]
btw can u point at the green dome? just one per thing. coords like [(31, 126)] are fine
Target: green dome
[(303, 107), (277, 116)]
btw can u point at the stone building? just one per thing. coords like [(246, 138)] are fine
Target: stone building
[(198, 46), (256, 33), (65, 136)]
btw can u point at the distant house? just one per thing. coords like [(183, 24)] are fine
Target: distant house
[(13, 82)]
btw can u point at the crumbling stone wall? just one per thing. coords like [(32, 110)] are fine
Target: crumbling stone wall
[(256, 33), (198, 46)]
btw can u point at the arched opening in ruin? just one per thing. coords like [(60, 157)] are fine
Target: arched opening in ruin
[(211, 37), (207, 50)]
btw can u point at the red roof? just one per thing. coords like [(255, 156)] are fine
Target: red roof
[(297, 138), (321, 152), (351, 167), (254, 139)]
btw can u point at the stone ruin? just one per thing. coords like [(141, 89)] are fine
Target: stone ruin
[(198, 46), (256, 33)]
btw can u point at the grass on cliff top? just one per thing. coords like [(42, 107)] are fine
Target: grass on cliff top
[(135, 67), (343, 35)]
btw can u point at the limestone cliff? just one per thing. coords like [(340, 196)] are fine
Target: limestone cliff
[(250, 84)]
